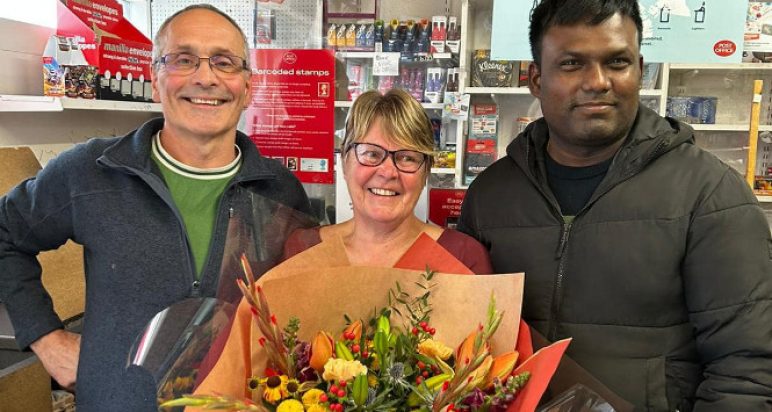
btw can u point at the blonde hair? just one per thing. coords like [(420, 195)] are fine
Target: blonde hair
[(403, 119)]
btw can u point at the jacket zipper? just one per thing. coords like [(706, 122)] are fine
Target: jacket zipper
[(226, 197), (557, 294)]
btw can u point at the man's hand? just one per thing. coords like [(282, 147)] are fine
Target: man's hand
[(59, 352)]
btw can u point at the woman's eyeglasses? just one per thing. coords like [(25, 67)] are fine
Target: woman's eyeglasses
[(372, 155)]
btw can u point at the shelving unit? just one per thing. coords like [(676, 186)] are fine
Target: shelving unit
[(443, 171), (25, 103), (111, 105), (346, 104), (413, 10), (497, 90)]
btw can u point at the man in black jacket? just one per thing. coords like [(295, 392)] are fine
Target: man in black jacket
[(648, 251)]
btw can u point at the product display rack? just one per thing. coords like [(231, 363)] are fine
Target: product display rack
[(404, 11)]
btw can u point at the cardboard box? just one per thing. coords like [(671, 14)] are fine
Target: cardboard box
[(63, 274), (66, 71), (24, 383), (121, 54), (492, 73)]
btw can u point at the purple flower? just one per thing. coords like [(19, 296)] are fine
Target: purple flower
[(302, 354), (475, 399)]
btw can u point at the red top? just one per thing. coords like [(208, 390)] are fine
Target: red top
[(462, 246)]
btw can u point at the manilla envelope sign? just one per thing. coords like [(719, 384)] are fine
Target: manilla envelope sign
[(94, 34)]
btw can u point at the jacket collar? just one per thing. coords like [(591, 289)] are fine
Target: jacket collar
[(651, 136), (132, 152)]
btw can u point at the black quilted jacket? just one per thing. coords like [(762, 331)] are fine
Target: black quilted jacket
[(664, 279)]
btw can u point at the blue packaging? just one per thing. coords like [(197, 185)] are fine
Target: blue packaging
[(692, 109)]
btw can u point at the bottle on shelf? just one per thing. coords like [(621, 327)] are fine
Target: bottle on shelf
[(417, 87), (452, 85), (378, 36)]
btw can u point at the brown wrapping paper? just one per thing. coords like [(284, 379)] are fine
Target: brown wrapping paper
[(318, 286)]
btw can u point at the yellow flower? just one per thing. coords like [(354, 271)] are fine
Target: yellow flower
[(292, 386), (311, 401), (372, 381), (342, 370), (432, 348), (290, 405), (275, 388), (375, 363), (311, 397)]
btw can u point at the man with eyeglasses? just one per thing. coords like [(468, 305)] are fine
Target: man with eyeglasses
[(151, 209)]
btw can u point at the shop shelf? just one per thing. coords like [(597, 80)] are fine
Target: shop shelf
[(650, 92), (497, 90), (722, 66), (24, 103), (443, 170), (113, 105), (728, 127), (427, 106), (764, 198)]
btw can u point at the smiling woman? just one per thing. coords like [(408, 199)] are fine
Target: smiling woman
[(387, 155)]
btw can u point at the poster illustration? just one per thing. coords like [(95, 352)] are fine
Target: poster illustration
[(758, 32), (674, 31)]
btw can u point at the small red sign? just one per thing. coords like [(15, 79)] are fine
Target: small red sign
[(724, 48), (445, 206)]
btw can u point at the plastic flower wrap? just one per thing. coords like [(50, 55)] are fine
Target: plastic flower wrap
[(315, 334)]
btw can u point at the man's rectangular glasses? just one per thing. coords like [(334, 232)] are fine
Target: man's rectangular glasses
[(372, 155), (185, 63)]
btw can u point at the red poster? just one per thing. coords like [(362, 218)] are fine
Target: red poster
[(291, 116), (445, 206)]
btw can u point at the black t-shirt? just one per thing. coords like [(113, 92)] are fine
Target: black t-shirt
[(573, 186)]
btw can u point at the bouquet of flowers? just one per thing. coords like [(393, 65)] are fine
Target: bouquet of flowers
[(375, 365), (392, 353)]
